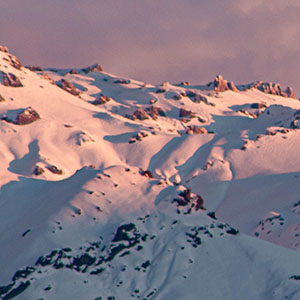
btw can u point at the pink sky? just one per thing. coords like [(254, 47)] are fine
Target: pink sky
[(155, 41)]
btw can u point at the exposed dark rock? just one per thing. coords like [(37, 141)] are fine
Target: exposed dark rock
[(151, 111), (258, 105), (84, 259), (11, 59), (222, 85), (208, 165), (9, 79), (53, 169), (232, 231), (289, 92), (3, 49), (269, 88), (185, 83), (101, 99), (196, 130), (28, 116), (34, 68), (24, 117), (68, 86), (186, 113), (199, 202), (138, 137), (122, 81), (122, 232), (48, 78), (212, 215), (6, 288), (146, 173), (73, 72), (177, 96), (160, 91), (139, 114), (155, 111), (17, 291), (92, 68), (38, 171), (1, 98), (196, 97), (23, 273), (187, 198)]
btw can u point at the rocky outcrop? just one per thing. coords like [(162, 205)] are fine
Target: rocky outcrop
[(269, 88), (139, 114), (11, 59), (48, 78), (53, 169), (258, 105), (122, 81), (9, 79), (38, 171), (23, 117), (196, 130), (93, 68), (101, 99), (196, 97), (34, 68), (28, 116), (146, 173), (184, 113), (152, 111), (68, 87), (3, 49), (1, 98), (155, 111), (187, 198), (222, 85)]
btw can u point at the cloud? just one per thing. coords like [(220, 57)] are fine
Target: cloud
[(160, 40)]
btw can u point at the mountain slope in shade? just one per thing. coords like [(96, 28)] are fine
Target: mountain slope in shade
[(116, 189)]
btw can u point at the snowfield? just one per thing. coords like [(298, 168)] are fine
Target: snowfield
[(111, 188)]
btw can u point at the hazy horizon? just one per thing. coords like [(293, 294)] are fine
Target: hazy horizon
[(154, 42)]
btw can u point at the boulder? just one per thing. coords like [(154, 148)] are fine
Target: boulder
[(21, 117), (28, 116), (183, 113), (92, 68), (140, 114), (146, 173), (68, 86), (258, 105), (9, 79), (101, 99), (196, 130), (38, 171), (15, 62), (160, 91), (155, 111), (196, 97), (53, 169), (3, 49)]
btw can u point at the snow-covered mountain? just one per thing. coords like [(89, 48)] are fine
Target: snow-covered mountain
[(111, 188)]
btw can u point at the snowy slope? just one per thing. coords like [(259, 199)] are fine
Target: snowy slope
[(101, 194)]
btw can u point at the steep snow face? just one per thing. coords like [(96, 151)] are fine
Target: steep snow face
[(112, 188)]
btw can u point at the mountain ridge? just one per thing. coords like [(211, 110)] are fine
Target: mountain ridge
[(127, 161)]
